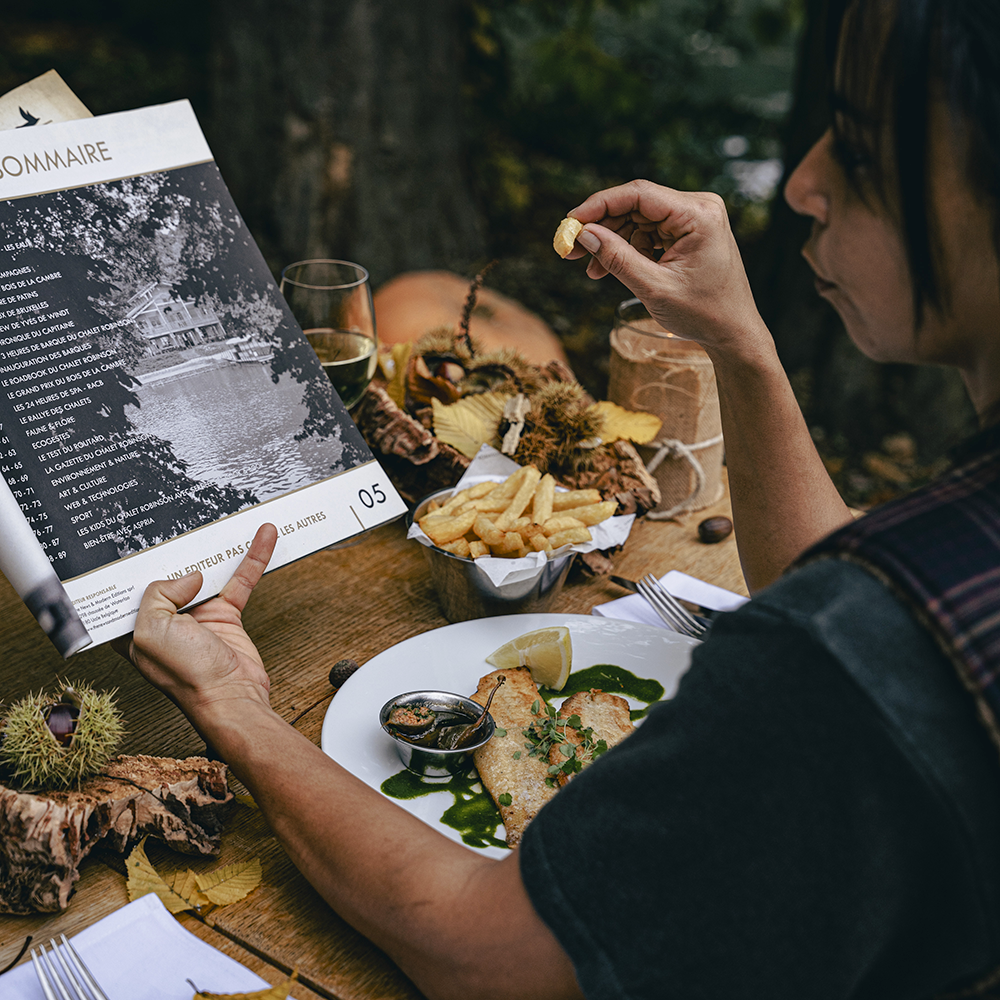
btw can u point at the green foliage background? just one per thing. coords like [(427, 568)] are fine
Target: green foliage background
[(563, 97)]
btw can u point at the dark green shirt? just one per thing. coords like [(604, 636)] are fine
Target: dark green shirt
[(816, 814)]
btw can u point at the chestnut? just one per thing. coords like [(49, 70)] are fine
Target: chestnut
[(714, 529)]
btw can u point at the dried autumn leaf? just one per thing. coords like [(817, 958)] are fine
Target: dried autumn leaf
[(185, 885), (143, 879), (621, 424), (278, 992), (422, 386), (399, 358), (230, 884), (470, 423)]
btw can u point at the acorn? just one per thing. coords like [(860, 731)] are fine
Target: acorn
[(54, 741), (714, 529)]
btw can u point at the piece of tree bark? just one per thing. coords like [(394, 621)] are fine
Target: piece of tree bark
[(339, 130), (45, 835)]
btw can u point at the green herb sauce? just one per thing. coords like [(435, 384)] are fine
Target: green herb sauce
[(613, 679), (473, 813)]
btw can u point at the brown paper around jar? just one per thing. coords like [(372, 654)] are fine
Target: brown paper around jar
[(656, 372)]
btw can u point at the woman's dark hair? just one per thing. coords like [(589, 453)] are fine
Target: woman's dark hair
[(890, 59)]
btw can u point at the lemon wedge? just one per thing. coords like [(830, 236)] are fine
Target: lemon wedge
[(547, 652)]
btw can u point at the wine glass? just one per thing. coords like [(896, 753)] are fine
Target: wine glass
[(332, 301)]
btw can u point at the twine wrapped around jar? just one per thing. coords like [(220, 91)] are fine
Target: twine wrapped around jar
[(657, 372)]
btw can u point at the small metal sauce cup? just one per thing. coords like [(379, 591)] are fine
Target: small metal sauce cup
[(434, 764), (464, 591)]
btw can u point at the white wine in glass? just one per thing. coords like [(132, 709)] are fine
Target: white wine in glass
[(332, 301)]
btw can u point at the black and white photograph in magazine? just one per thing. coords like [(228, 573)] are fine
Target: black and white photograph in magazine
[(154, 378)]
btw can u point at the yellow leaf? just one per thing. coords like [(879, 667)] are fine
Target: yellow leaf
[(279, 992), (620, 424), (469, 423), (395, 365), (232, 883), (143, 879), (185, 885)]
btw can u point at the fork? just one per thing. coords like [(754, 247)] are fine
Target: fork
[(670, 610), (74, 982)]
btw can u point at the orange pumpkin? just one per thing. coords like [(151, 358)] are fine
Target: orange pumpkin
[(416, 302)]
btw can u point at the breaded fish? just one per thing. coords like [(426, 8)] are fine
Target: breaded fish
[(523, 777), (606, 714)]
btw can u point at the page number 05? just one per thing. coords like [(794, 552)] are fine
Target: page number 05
[(369, 499)]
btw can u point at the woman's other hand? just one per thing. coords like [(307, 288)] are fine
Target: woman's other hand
[(697, 287), (202, 659)]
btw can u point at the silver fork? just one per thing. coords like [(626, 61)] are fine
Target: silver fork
[(670, 610), (71, 980)]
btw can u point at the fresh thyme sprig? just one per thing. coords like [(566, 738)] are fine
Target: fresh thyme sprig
[(548, 730)]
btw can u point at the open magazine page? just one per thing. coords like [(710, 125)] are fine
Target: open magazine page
[(155, 391), (41, 101)]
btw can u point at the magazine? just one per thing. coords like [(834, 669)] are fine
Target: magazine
[(158, 402)]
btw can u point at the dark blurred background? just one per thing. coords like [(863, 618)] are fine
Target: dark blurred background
[(447, 133)]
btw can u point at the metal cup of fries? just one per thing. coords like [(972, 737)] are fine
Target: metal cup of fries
[(520, 518)]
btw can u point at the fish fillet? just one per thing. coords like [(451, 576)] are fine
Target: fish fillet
[(522, 778), (606, 714)]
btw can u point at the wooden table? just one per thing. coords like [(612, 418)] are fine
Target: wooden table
[(354, 601)]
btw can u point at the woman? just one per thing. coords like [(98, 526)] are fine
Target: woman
[(817, 812)]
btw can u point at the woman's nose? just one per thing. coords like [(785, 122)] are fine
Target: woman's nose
[(807, 188)]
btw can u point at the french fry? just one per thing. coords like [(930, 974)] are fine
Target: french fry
[(462, 498), (487, 530), (510, 545), (477, 548), (440, 529), (561, 523), (512, 483), (431, 507), (574, 498), (459, 547), (571, 536), (592, 513), (541, 507), (540, 543), (520, 524), (521, 498)]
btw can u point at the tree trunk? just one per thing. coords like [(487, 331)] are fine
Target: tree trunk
[(855, 401), (338, 128)]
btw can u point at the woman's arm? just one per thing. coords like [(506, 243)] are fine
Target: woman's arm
[(459, 924), (783, 499)]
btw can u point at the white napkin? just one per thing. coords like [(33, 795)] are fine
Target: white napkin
[(140, 952), (635, 608), (492, 464)]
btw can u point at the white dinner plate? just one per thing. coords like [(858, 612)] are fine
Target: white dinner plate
[(453, 658)]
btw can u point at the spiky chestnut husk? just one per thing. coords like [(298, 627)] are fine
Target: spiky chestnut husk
[(563, 419), (443, 341), (35, 756)]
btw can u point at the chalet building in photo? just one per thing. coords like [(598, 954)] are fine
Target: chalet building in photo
[(167, 321)]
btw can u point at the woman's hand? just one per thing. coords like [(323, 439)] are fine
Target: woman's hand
[(698, 287), (202, 658)]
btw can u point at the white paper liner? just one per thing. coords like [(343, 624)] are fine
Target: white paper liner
[(490, 464)]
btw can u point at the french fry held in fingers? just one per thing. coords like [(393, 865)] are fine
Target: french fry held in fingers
[(522, 514)]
